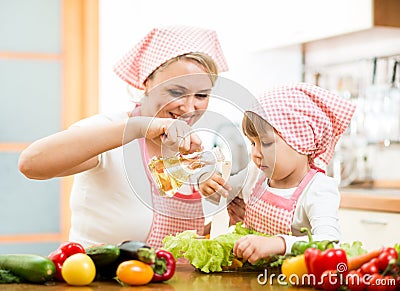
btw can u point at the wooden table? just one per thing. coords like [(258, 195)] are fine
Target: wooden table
[(185, 278)]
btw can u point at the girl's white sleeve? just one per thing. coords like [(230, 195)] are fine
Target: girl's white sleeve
[(319, 211)]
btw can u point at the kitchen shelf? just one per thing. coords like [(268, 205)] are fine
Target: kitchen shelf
[(384, 200)]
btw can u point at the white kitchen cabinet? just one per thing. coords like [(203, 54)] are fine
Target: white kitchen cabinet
[(373, 228), (323, 19)]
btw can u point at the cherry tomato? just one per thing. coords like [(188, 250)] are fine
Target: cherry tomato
[(397, 278), (134, 272), (331, 280), (370, 267), (386, 256), (355, 281), (78, 270), (376, 283), (384, 259), (391, 251), (390, 283)]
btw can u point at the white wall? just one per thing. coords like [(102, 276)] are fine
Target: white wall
[(246, 29), (124, 22)]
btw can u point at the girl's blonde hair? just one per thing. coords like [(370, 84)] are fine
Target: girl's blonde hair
[(253, 125)]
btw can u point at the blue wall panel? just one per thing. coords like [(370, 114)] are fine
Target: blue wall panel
[(30, 98), (26, 206), (30, 26)]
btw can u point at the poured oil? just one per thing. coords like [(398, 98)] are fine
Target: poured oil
[(170, 173)]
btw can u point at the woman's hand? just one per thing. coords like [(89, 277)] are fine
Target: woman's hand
[(179, 136), (255, 247), (175, 135)]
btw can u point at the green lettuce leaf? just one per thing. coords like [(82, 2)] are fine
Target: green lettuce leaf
[(178, 245), (353, 249), (242, 230), (207, 255)]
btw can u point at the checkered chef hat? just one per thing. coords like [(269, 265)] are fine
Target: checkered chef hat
[(310, 119), (163, 44)]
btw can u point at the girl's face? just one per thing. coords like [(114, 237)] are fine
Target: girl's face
[(180, 90), (284, 166)]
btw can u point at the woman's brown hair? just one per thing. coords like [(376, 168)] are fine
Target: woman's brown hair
[(203, 59)]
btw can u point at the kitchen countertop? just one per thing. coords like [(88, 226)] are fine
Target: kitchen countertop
[(185, 278), (375, 199)]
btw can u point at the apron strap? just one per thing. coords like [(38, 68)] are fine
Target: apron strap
[(310, 175)]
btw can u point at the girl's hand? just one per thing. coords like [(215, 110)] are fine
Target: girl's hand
[(214, 186), (255, 247), (236, 210)]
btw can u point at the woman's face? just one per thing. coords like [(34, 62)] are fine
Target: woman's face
[(180, 90)]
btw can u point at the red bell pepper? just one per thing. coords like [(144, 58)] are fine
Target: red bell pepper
[(164, 266), (318, 262), (64, 251)]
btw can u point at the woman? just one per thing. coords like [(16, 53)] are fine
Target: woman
[(113, 197)]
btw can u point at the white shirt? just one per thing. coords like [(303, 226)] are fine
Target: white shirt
[(317, 207), (111, 203)]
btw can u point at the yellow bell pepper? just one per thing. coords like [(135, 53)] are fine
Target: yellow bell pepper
[(295, 270)]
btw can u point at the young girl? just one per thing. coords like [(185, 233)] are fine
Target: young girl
[(290, 128)]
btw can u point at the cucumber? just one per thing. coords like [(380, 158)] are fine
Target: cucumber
[(103, 255), (6, 277), (29, 267)]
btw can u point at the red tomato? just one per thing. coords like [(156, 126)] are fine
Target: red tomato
[(355, 281), (374, 261), (384, 259), (386, 256), (390, 283), (331, 280), (370, 267), (376, 283), (391, 251)]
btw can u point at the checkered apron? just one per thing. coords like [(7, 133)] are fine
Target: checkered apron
[(171, 214), (272, 214)]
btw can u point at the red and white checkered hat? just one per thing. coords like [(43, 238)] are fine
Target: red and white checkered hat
[(310, 119), (163, 44)]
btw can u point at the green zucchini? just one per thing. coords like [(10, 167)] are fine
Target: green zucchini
[(29, 267), (103, 255), (7, 277)]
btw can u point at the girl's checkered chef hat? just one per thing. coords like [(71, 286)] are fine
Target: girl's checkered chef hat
[(310, 119), (163, 44)]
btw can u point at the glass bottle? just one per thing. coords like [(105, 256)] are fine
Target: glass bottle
[(170, 173)]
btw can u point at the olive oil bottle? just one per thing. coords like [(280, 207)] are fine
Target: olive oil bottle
[(170, 173)]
